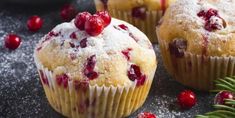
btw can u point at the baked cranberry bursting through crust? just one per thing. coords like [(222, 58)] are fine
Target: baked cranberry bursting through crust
[(92, 26)]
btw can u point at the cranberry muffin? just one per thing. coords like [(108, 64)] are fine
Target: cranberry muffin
[(143, 14), (90, 67), (197, 41)]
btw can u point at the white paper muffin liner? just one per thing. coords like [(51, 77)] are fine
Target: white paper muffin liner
[(196, 71), (94, 101)]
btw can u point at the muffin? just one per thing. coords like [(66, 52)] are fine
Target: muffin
[(102, 75), (197, 39), (143, 14)]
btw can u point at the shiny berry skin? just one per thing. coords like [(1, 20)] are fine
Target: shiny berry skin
[(105, 17), (94, 25), (146, 115), (81, 19), (34, 23), (186, 99), (222, 96), (12, 41), (68, 12)]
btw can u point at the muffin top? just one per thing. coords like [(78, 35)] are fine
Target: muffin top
[(133, 4), (120, 55), (201, 27)]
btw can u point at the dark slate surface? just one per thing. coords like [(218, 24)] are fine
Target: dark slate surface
[(21, 94)]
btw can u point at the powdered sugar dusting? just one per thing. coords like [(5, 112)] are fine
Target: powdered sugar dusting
[(187, 10), (21, 93)]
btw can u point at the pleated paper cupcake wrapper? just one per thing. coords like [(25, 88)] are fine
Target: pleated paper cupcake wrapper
[(95, 101), (196, 71), (147, 25)]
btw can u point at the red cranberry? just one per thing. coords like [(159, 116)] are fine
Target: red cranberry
[(68, 12), (141, 80), (213, 24), (39, 48), (222, 96), (211, 12), (51, 34), (62, 80), (83, 43), (186, 99), (34, 23), (126, 53), (208, 14), (163, 4), (146, 115), (134, 73), (122, 26), (72, 45), (139, 12), (73, 35), (105, 17), (178, 47), (81, 85), (43, 78), (89, 68), (12, 41), (210, 23), (80, 20), (91, 75), (94, 25)]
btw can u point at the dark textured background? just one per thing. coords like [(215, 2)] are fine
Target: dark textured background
[(21, 94)]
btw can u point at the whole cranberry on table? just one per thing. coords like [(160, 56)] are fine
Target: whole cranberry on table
[(186, 99), (222, 96), (12, 41), (68, 12), (34, 23), (146, 115)]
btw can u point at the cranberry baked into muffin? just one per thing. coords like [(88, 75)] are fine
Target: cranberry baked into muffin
[(143, 14), (90, 67), (197, 41)]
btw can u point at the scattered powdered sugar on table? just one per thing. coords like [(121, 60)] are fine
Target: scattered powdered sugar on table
[(21, 94)]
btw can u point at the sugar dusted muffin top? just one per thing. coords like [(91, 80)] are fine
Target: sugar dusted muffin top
[(202, 27), (120, 55)]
